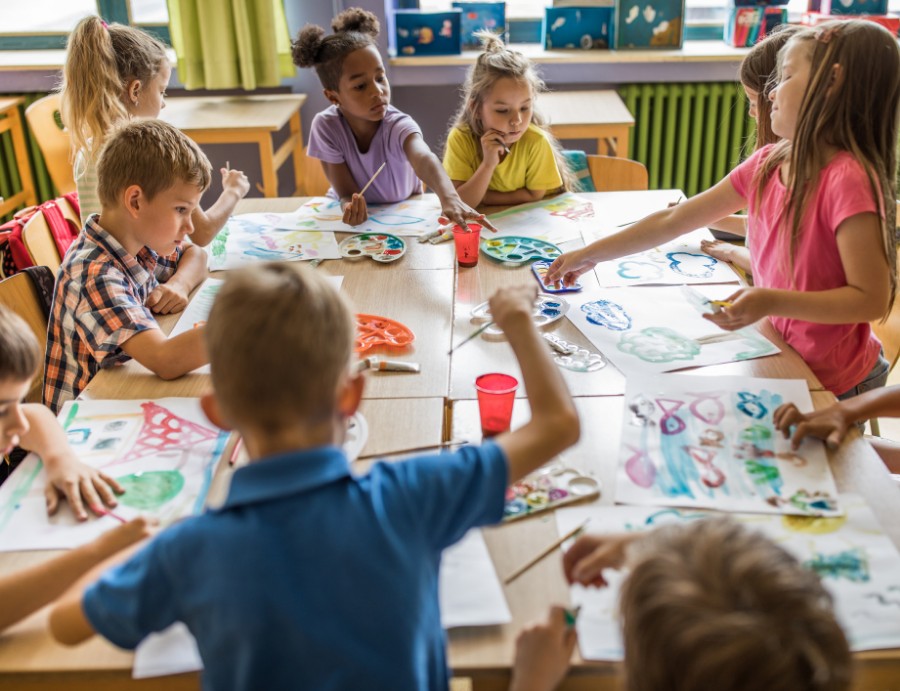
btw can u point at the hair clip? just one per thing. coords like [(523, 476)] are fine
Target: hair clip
[(825, 34), (104, 25)]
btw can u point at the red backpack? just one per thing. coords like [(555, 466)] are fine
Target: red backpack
[(15, 256)]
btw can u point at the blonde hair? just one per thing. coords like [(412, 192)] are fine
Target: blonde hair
[(20, 353), (496, 62), (280, 338), (101, 60), (354, 28), (714, 605), (151, 154), (856, 113)]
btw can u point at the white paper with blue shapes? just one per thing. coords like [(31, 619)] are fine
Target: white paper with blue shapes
[(411, 217)]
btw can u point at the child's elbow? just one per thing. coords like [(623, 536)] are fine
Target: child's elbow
[(62, 627), (568, 427)]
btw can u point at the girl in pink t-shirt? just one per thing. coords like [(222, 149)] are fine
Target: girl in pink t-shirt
[(821, 206)]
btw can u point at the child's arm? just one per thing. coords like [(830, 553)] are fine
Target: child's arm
[(173, 295), (493, 148), (519, 196), (554, 424), (168, 358), (655, 229), (347, 189), (739, 256), (543, 652), (207, 224), (30, 589), (734, 224), (831, 424), (66, 475), (585, 560)]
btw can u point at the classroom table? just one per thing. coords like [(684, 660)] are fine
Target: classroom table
[(600, 115), (438, 405)]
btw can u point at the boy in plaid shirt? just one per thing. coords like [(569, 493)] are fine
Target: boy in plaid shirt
[(128, 259)]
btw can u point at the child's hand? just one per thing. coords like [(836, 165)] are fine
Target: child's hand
[(567, 267), (235, 181), (80, 484), (718, 250), (458, 212), (493, 148), (127, 534), (586, 559), (355, 210), (748, 306), (508, 305), (167, 298), (830, 424), (543, 652)]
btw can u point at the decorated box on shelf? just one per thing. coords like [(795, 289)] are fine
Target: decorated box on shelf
[(891, 22), (853, 7), (748, 25), (579, 27), (427, 33), (654, 24), (478, 16)]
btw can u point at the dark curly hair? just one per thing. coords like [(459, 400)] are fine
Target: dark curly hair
[(354, 28)]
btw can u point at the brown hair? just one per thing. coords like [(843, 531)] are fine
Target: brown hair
[(759, 72), (856, 113), (151, 154), (495, 62), (101, 60), (20, 353), (715, 605), (354, 28), (280, 338)]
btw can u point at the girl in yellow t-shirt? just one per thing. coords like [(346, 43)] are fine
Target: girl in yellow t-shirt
[(498, 150)]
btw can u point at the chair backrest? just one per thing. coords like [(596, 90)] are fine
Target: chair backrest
[(19, 294), (315, 184), (613, 174), (39, 242), (888, 331), (53, 141)]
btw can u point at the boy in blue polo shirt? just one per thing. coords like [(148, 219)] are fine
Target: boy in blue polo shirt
[(308, 577)]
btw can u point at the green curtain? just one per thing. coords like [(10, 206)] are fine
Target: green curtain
[(228, 45)]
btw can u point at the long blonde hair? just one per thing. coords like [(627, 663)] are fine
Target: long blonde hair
[(101, 60), (857, 113), (496, 62)]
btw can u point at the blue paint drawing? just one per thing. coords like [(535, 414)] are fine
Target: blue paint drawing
[(79, 435), (607, 314), (751, 405), (658, 344), (692, 265), (396, 220), (639, 271), (851, 565)]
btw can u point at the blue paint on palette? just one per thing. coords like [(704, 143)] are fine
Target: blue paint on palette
[(608, 314)]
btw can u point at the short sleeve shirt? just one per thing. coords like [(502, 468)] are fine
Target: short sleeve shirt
[(98, 305), (86, 182), (531, 163), (331, 140)]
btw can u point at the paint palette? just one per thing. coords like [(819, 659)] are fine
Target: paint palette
[(514, 249), (546, 310), (374, 331), (549, 488), (381, 247), (540, 268)]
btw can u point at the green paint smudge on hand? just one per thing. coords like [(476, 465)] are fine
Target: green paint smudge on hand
[(149, 490)]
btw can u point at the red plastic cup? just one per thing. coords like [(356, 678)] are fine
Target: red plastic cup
[(496, 395), (467, 242)]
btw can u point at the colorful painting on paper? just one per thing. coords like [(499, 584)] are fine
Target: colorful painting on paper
[(412, 217), (163, 452), (858, 564), (710, 442), (248, 240), (661, 329), (674, 263), (555, 220)]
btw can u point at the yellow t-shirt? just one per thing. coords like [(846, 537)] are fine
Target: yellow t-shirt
[(530, 164)]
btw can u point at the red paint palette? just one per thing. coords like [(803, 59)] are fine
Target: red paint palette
[(372, 331)]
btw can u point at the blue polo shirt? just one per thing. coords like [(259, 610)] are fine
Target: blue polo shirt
[(308, 577)]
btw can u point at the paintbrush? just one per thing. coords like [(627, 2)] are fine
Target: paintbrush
[(556, 544), (414, 449), (100, 511), (477, 332), (372, 179)]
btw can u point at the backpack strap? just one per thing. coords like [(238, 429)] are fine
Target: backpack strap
[(64, 231)]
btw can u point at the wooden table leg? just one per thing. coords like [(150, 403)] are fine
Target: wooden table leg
[(267, 164), (297, 131)]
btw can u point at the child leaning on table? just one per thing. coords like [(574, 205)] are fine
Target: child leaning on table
[(151, 179), (706, 605), (309, 576), (361, 130)]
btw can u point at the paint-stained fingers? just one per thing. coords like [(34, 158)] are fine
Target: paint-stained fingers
[(87, 494)]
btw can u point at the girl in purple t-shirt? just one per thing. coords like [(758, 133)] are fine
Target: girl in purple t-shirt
[(361, 130), (821, 206)]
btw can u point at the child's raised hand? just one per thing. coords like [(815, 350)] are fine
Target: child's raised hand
[(512, 307), (543, 652), (168, 298), (567, 267), (493, 147), (355, 210), (235, 181), (591, 554), (79, 484), (830, 424), (748, 306)]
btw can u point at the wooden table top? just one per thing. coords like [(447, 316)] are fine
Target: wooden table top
[(231, 112), (604, 107)]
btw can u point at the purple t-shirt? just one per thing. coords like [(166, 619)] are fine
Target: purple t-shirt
[(331, 140)]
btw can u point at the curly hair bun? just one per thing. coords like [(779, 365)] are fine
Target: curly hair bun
[(358, 20), (307, 45), (490, 42)]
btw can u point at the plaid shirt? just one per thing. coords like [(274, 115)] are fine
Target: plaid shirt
[(98, 305)]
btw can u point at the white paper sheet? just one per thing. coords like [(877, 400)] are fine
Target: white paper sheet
[(555, 220), (246, 239), (411, 217)]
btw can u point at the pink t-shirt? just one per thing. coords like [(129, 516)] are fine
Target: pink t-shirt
[(840, 355)]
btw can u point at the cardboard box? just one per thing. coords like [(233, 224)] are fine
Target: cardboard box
[(427, 33), (854, 7), (480, 16), (891, 22), (579, 27), (649, 23), (746, 26)]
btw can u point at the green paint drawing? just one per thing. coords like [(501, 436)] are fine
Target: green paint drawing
[(19, 493), (756, 346), (149, 490), (218, 243), (756, 434), (659, 344), (73, 411)]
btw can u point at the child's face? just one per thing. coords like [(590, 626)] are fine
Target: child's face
[(12, 419), (751, 98), (363, 92), (788, 94), (163, 223), (507, 109), (151, 96)]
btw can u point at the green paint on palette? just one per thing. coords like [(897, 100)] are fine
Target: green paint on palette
[(149, 490)]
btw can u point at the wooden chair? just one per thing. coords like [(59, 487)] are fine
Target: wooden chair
[(19, 295), (39, 240), (613, 174), (53, 142)]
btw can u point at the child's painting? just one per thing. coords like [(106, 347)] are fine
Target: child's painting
[(661, 329), (412, 217), (247, 241), (858, 564), (197, 311), (555, 220), (711, 442), (163, 452), (674, 263)]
